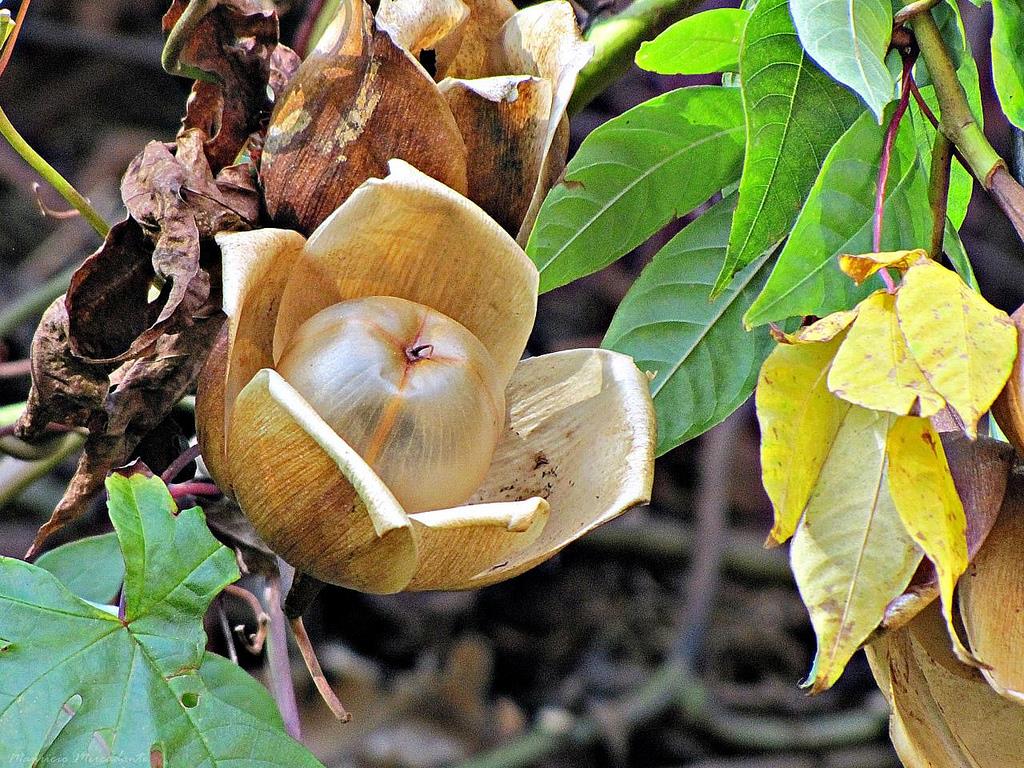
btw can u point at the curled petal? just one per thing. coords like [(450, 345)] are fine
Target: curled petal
[(944, 714), (581, 435), (289, 466), (458, 544), (544, 40), (412, 237), (504, 122), (255, 265), (422, 24), (356, 102), (475, 52)]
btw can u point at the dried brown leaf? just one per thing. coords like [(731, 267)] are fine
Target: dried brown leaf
[(233, 43)]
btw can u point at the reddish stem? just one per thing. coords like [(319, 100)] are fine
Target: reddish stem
[(181, 490), (281, 683), (189, 455), (300, 43), (884, 163)]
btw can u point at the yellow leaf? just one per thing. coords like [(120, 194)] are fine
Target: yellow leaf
[(927, 502), (873, 367), (825, 329), (863, 265), (799, 418), (851, 554), (964, 346)]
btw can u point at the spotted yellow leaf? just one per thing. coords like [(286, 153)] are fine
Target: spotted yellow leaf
[(873, 367), (863, 265), (964, 346), (851, 554), (926, 500), (799, 418)]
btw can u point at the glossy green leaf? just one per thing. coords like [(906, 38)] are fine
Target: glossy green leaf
[(705, 364), (849, 40), (633, 175), (92, 568), (82, 686), (704, 42), (794, 114), (1008, 57), (837, 218)]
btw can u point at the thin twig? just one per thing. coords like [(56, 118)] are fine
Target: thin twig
[(189, 455), (13, 38), (313, 665), (281, 684), (179, 35), (938, 190)]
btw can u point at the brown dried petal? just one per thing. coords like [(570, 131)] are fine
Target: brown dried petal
[(107, 302), (358, 101), (504, 124), (65, 389), (233, 43)]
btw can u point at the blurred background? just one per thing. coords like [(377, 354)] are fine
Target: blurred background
[(565, 663)]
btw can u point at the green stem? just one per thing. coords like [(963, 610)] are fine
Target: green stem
[(957, 120), (616, 40), (938, 190), (54, 179)]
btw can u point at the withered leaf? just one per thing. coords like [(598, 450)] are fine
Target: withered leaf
[(142, 393), (234, 530), (233, 43)]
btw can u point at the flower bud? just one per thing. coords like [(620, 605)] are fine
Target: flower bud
[(411, 390)]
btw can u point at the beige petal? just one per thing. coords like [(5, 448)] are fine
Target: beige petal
[(476, 52), (356, 102), (944, 713), (412, 237), (544, 40), (255, 266), (581, 435), (504, 125), (311, 497), (419, 24), (455, 545), (992, 601)]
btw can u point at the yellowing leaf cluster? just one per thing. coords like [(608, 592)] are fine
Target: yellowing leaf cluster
[(855, 470)]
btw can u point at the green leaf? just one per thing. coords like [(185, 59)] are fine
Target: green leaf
[(633, 175), (837, 218), (704, 42), (851, 554), (849, 39), (81, 685), (961, 182), (794, 114), (92, 568), (1008, 57), (705, 364)]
